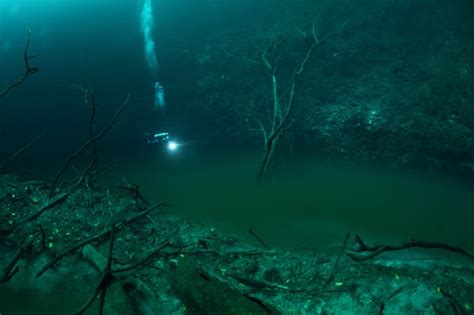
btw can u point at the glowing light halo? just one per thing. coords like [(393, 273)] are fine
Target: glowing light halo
[(172, 146)]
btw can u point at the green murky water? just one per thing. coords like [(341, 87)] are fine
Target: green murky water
[(314, 203)]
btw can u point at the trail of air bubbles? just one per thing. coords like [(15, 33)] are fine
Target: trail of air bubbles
[(146, 26)]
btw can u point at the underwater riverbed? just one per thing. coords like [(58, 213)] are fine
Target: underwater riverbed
[(311, 204)]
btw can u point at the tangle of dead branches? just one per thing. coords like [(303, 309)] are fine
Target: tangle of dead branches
[(91, 142), (49, 205), (89, 99), (134, 191), (96, 238)]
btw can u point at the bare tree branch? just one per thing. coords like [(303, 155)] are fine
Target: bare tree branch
[(87, 144), (21, 150), (281, 121), (365, 252), (95, 238), (29, 69)]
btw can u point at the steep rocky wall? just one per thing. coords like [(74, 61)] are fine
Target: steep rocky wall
[(392, 83)]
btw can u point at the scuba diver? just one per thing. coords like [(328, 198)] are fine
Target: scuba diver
[(162, 139)]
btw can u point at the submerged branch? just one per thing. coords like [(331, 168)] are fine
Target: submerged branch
[(87, 144), (21, 150), (29, 69), (365, 252), (97, 237)]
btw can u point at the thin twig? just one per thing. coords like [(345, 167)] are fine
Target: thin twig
[(93, 296), (21, 150), (240, 54), (144, 260), (336, 263), (382, 302), (134, 189), (11, 269), (84, 177), (109, 165), (89, 99), (258, 238)]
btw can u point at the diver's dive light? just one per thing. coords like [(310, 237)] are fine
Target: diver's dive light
[(172, 145)]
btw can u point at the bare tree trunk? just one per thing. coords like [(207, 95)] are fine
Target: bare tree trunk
[(281, 121)]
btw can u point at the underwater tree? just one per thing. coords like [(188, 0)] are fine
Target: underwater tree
[(91, 170), (29, 69), (283, 107)]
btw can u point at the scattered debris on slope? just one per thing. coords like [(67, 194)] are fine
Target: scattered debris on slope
[(87, 242)]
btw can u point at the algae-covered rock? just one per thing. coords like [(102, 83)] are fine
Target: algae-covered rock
[(203, 294)]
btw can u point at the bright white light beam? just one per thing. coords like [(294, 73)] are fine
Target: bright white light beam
[(172, 146)]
